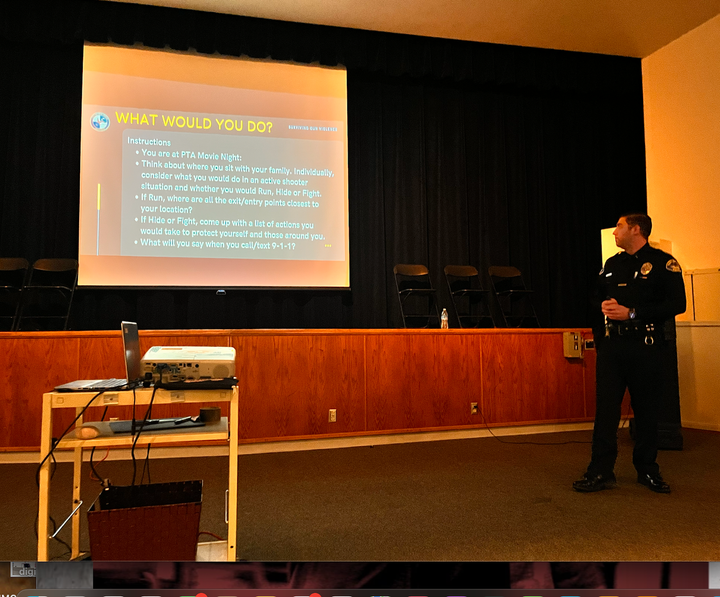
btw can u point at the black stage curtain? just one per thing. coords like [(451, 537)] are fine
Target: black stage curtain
[(460, 153)]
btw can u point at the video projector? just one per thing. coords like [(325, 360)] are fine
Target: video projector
[(184, 363)]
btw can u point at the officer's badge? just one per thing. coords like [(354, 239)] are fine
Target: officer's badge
[(646, 268), (673, 266)]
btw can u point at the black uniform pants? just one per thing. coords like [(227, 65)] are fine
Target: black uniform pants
[(628, 362)]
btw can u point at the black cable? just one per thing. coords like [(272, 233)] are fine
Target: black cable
[(92, 452), (51, 454), (146, 466), (132, 432), (132, 425), (138, 432), (573, 441), (53, 463), (63, 434), (52, 532)]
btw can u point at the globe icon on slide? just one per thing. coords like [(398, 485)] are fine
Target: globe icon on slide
[(100, 121)]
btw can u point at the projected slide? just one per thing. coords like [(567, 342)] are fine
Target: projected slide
[(212, 172)]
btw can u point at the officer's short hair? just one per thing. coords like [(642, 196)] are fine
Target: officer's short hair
[(642, 220)]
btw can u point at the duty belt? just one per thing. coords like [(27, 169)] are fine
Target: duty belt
[(632, 329)]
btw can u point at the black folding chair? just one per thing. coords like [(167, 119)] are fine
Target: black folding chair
[(48, 295), (13, 273), (514, 298), (469, 298), (418, 299)]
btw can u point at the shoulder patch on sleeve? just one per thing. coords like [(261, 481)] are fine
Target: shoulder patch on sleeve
[(673, 266)]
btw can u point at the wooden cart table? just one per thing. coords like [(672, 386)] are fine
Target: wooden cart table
[(226, 430)]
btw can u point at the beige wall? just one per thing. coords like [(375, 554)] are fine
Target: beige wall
[(699, 376), (681, 85)]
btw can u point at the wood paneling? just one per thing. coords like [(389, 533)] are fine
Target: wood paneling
[(422, 381), (29, 369), (526, 378), (289, 382), (377, 380)]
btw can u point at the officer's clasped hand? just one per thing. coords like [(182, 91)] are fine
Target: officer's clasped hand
[(613, 310)]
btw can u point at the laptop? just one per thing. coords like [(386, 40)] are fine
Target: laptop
[(131, 348)]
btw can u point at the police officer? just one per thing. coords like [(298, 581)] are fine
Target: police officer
[(639, 291)]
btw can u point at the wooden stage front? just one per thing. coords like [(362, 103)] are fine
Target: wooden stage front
[(379, 381)]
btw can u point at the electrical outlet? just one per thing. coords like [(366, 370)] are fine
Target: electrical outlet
[(572, 345), (332, 416), (473, 408)]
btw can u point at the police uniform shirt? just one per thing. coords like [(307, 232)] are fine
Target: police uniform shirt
[(649, 281)]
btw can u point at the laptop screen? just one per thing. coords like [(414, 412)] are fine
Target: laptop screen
[(131, 346)]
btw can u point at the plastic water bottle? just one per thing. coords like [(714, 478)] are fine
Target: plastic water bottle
[(444, 319)]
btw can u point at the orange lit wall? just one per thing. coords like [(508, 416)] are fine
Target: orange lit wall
[(681, 86)]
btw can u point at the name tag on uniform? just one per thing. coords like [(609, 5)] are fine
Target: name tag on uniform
[(622, 284)]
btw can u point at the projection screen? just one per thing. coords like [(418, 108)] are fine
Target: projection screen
[(218, 172)]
